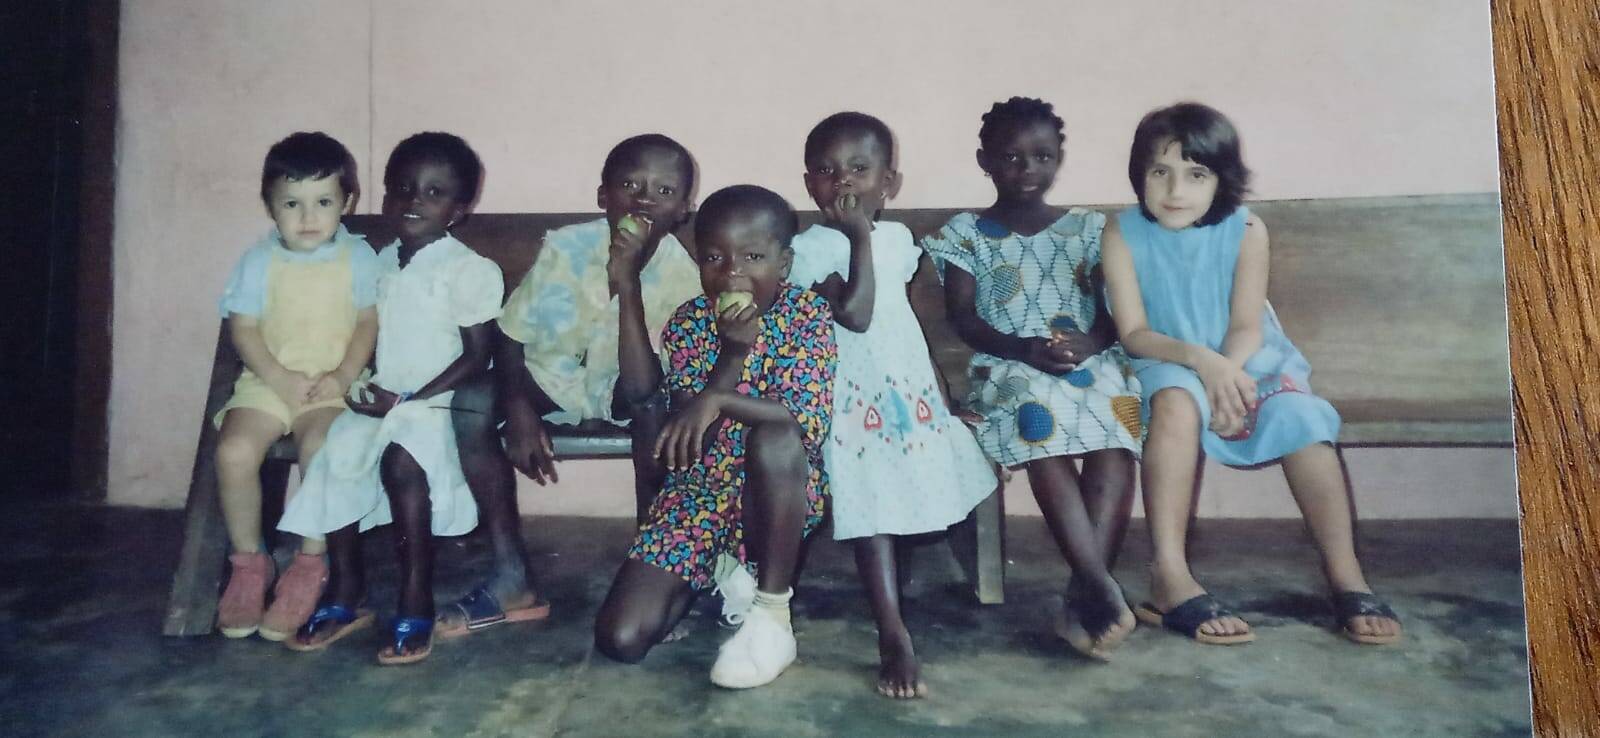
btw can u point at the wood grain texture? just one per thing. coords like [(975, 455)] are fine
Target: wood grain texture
[(1547, 64)]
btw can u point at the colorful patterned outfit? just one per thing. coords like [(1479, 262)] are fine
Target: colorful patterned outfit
[(564, 315), (898, 461), (1186, 281), (792, 360), (421, 311), (305, 303), (1027, 285)]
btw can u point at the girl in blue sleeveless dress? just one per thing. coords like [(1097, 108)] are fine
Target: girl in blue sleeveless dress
[(1186, 273)]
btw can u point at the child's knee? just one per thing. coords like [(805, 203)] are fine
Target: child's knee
[(622, 639), (1174, 409), (777, 446), (240, 452), (400, 471)]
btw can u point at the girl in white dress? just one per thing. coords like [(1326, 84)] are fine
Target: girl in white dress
[(899, 461), (392, 456)]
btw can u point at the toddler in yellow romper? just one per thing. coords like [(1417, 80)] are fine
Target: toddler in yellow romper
[(300, 313)]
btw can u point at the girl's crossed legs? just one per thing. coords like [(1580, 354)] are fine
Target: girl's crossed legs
[(1087, 516)]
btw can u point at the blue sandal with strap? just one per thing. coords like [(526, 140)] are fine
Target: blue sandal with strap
[(402, 633), (336, 621)]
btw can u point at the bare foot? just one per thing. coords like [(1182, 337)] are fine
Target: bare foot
[(1095, 619), (899, 674)]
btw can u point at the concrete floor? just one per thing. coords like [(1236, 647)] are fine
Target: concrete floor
[(82, 592)]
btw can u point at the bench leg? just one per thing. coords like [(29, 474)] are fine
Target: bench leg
[(192, 606), (979, 547)]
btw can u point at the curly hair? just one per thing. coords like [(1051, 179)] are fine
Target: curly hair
[(1016, 112), (436, 146)]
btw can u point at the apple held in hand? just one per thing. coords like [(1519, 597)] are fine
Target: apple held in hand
[(632, 224), (736, 299)]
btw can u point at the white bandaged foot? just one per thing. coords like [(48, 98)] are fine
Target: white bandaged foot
[(763, 647), (737, 588)]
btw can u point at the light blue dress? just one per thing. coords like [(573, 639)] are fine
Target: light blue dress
[(1186, 280)]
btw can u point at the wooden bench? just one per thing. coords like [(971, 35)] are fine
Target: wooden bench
[(1398, 302)]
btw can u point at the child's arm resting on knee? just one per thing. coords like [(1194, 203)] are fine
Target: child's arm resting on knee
[(1223, 380), (244, 331), (332, 385), (1044, 354)]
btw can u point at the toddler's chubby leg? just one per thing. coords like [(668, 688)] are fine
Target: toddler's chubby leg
[(298, 590), (1317, 481), (242, 445), (1170, 468), (1098, 617)]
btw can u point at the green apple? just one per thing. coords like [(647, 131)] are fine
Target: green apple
[(633, 225), (737, 298), (848, 202)]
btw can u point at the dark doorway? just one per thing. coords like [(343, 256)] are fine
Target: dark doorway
[(57, 96)]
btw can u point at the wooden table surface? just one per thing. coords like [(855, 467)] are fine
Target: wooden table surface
[(1547, 67)]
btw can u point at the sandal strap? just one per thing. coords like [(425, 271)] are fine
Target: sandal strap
[(1194, 612), (480, 607), (406, 629), (1360, 604)]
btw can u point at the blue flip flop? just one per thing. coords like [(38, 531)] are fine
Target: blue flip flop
[(402, 632), (337, 621)]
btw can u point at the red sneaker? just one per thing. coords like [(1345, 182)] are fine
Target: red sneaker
[(239, 611), (295, 596)]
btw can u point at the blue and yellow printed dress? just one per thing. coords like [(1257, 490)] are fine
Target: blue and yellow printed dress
[(1025, 286)]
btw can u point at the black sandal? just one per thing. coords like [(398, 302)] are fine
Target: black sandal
[(1188, 616), (1348, 605)]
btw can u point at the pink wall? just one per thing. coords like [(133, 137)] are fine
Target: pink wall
[(1357, 98)]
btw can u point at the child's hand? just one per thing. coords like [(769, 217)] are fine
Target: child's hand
[(326, 386), (528, 444), (851, 214), (1075, 346), (1231, 392), (292, 387), (738, 326), (679, 444), (1047, 355), (627, 253), (375, 401)]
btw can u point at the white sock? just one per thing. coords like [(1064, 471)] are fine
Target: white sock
[(776, 605)]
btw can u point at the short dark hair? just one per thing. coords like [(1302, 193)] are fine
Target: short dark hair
[(849, 122), (309, 155), (1015, 113), (438, 146), (1206, 137), (630, 149), (737, 200)]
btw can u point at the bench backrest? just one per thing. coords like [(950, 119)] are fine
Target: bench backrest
[(1398, 302)]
